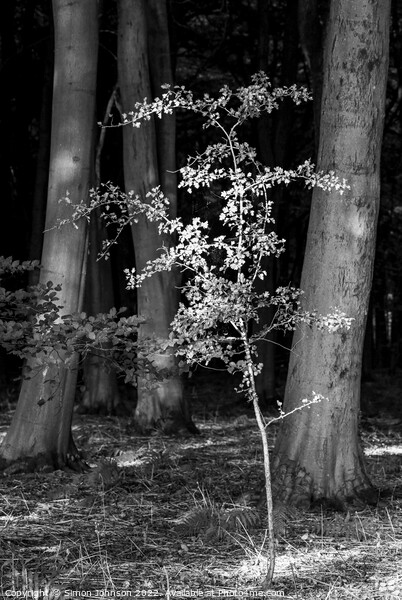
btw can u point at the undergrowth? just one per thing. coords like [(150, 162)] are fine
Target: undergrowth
[(158, 517)]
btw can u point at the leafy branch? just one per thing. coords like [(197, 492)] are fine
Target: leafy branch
[(32, 327)]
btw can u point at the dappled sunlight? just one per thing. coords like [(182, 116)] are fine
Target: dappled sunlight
[(202, 481), (141, 488), (356, 226), (66, 166), (384, 450), (313, 564)]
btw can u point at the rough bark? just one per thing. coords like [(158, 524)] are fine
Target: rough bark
[(317, 454), (162, 407), (40, 432)]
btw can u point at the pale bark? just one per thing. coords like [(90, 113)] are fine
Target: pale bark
[(317, 454), (157, 300), (41, 427)]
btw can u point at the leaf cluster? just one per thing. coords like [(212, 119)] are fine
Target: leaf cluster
[(221, 296), (33, 327)]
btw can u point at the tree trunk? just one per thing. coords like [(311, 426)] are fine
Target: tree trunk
[(317, 454), (101, 393), (163, 406), (40, 431)]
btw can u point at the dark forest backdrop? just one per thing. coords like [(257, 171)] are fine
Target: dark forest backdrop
[(134, 506), (212, 44), (202, 45)]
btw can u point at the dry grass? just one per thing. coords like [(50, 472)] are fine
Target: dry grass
[(118, 531)]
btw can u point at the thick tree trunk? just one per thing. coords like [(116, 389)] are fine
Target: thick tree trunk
[(317, 454), (163, 406), (41, 427)]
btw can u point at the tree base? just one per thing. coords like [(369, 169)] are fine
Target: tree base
[(100, 395), (163, 408), (294, 485), (45, 462), (170, 423)]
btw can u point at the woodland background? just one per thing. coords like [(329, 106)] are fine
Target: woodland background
[(158, 512), (211, 44)]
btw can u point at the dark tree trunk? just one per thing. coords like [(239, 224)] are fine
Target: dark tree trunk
[(101, 393)]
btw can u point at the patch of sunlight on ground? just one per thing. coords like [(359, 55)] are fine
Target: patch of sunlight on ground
[(383, 450), (309, 560)]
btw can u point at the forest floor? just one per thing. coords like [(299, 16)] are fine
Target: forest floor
[(161, 517)]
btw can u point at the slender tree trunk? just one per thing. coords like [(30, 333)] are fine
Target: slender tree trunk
[(101, 393), (161, 72), (162, 406), (41, 426), (317, 454)]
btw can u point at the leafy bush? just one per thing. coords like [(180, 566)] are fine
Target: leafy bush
[(32, 327)]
